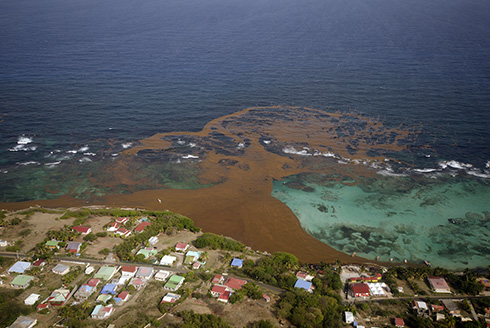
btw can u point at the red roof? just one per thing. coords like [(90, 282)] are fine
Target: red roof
[(360, 289), (93, 282), (38, 262), (42, 306), (142, 226), (399, 322), (235, 283), (129, 268), (123, 231), (218, 289), (217, 279), (81, 229), (225, 296), (437, 307), (122, 220), (123, 295), (181, 246), (114, 225)]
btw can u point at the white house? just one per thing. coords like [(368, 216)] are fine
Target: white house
[(102, 312), (32, 299), (162, 275), (168, 260)]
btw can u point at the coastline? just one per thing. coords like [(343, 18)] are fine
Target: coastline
[(238, 203)]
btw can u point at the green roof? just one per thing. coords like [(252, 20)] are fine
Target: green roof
[(22, 280), (53, 243), (103, 298), (173, 282), (105, 273), (147, 253)]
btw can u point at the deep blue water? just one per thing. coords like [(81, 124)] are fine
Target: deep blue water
[(76, 74)]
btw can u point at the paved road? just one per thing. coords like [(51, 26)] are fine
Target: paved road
[(409, 298)]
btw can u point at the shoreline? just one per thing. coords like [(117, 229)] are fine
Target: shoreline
[(239, 203)]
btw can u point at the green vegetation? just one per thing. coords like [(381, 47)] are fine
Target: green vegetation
[(90, 237), (192, 320), (261, 324), (161, 222), (101, 234), (29, 212), (104, 251), (10, 309), (71, 276), (25, 232), (275, 270), (218, 242), (62, 235), (74, 314), (250, 290)]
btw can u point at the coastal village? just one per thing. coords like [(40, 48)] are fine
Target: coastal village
[(98, 268)]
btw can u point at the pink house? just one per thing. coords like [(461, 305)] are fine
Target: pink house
[(181, 247), (82, 230)]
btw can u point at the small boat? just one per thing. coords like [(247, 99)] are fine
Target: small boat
[(427, 263), (353, 254)]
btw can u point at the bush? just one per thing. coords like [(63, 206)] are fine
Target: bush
[(90, 237), (218, 242), (104, 251), (101, 234), (25, 232)]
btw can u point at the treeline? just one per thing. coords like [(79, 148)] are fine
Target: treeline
[(193, 320), (10, 309), (274, 270), (161, 222), (214, 241)]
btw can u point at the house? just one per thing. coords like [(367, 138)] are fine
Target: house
[(377, 288), (359, 290), (191, 257), (174, 282), (93, 282), (61, 269), (420, 307), (170, 298), (140, 227), (24, 322), (375, 278), (128, 270), (196, 265), (58, 297), (237, 263), (306, 285), (486, 284), (84, 292), (144, 272), (162, 275), (39, 263), (399, 322), (348, 317), (168, 260), (234, 283), (217, 290), (440, 317), (138, 282), (82, 230), (105, 273), (304, 275), (42, 306), (181, 247), (103, 298), (266, 298), (109, 289), (4, 243), (123, 296), (450, 306), (122, 220), (147, 252), (225, 296), (102, 312), (21, 281), (32, 299), (73, 247), (52, 244), (20, 267), (436, 308), (123, 232), (89, 269), (153, 240), (439, 285), (113, 226), (218, 279)]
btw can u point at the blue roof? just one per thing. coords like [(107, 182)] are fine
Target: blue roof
[(19, 267), (237, 262), (109, 289), (300, 283)]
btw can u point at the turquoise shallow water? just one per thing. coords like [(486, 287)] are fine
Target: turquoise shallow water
[(445, 221)]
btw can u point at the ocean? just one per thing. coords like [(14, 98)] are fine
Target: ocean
[(83, 81)]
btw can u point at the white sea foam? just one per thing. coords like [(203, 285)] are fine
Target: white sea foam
[(28, 163), (4, 171), (454, 165), (267, 142), (292, 150), (189, 156), (192, 145), (89, 154), (390, 173), (479, 174), (424, 170), (114, 155), (488, 165), (23, 140), (83, 149), (85, 160), (127, 145), (72, 151), (241, 145), (181, 142), (53, 164)]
